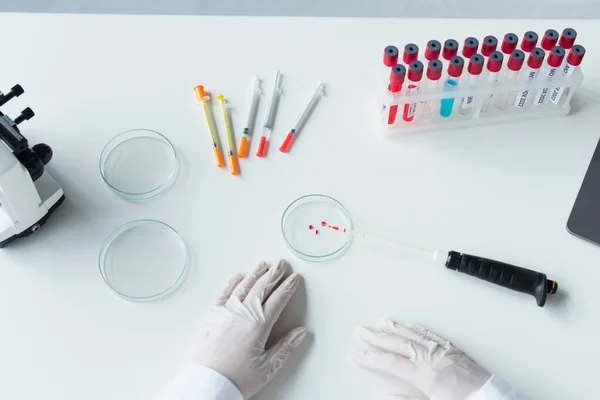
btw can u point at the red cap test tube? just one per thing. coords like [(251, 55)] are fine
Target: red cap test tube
[(432, 52), (470, 47), (411, 53), (390, 56), (397, 76), (554, 61), (530, 39), (576, 55), (567, 39), (534, 62), (515, 62), (450, 49), (456, 66), (434, 70), (415, 74), (549, 40), (475, 64), (509, 43), (489, 45), (574, 59)]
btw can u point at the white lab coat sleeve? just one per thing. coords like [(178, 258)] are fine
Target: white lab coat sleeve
[(497, 389), (197, 382)]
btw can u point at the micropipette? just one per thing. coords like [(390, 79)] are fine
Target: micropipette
[(229, 133), (269, 122), (204, 98), (506, 275), (249, 128), (287, 143)]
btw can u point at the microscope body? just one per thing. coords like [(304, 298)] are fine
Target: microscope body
[(28, 193)]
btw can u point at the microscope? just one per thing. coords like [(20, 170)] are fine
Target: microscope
[(28, 194)]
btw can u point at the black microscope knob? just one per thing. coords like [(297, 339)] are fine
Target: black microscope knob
[(44, 152)]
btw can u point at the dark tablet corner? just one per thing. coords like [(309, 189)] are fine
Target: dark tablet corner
[(584, 221)]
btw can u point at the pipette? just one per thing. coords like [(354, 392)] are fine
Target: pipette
[(204, 98), (233, 165), (249, 128), (287, 143), (269, 122), (506, 275)]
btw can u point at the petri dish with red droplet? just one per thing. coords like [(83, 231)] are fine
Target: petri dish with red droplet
[(325, 215)]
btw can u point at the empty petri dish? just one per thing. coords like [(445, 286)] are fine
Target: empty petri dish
[(139, 164), (316, 227), (143, 260)]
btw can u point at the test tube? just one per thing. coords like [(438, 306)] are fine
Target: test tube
[(397, 75), (494, 66), (411, 53), (567, 39), (549, 40), (434, 73), (432, 52), (263, 144), (573, 61), (509, 43), (470, 47), (415, 73), (450, 49), (390, 56), (553, 63), (455, 68), (530, 39), (514, 64), (534, 62), (251, 121), (474, 70), (489, 45)]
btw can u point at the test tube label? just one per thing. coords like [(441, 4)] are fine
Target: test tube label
[(541, 96), (521, 100), (412, 107), (568, 70)]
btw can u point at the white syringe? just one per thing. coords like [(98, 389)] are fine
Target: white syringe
[(287, 143), (270, 121), (249, 128)]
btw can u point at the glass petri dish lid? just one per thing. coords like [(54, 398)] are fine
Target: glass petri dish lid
[(143, 260), (316, 227), (139, 164)]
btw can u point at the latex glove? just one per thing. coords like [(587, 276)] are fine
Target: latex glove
[(233, 337), (422, 358)]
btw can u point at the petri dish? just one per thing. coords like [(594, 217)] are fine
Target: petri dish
[(316, 227), (139, 164), (143, 260)]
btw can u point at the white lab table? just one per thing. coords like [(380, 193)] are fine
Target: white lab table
[(503, 191)]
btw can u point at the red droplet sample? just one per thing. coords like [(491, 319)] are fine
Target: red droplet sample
[(336, 228), (344, 229), (323, 223), (317, 232), (311, 227)]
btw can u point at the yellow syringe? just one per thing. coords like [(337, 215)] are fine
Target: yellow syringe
[(233, 165), (203, 98)]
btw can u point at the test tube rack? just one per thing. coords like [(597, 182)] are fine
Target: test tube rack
[(502, 91)]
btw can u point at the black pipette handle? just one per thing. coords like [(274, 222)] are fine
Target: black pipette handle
[(509, 276)]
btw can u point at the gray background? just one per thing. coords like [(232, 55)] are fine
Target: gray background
[(588, 9)]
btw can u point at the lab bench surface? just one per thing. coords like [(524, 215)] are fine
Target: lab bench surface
[(503, 192)]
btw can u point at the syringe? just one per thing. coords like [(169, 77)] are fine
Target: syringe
[(233, 165), (249, 128), (287, 143), (269, 122)]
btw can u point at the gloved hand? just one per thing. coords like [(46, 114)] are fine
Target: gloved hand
[(233, 337), (421, 358)]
